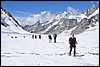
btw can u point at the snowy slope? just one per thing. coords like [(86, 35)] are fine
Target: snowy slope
[(78, 17), (56, 21), (25, 51), (11, 24), (96, 12), (39, 52)]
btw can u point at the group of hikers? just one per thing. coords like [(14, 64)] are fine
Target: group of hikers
[(50, 38), (72, 42), (35, 36)]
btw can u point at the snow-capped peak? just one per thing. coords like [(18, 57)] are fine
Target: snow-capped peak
[(96, 12), (9, 23)]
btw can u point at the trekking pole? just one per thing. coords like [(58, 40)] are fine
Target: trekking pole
[(68, 48)]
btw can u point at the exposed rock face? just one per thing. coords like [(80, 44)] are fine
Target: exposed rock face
[(85, 23), (70, 23), (9, 16), (82, 26), (57, 25), (94, 20), (90, 11), (62, 25)]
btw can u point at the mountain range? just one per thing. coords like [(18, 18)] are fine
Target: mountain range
[(51, 24)]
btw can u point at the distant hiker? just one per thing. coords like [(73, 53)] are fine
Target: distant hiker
[(24, 36), (33, 36), (50, 38), (55, 36), (72, 42), (11, 36), (39, 36), (15, 36)]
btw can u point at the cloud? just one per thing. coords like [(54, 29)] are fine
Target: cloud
[(91, 2), (69, 8), (45, 12), (30, 19), (21, 13)]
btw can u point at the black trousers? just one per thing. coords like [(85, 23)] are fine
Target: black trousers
[(71, 47), (54, 40)]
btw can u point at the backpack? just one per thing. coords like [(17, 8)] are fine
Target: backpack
[(72, 41)]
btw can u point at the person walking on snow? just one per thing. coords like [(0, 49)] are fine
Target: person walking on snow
[(72, 42), (33, 36), (55, 36), (39, 36), (50, 38)]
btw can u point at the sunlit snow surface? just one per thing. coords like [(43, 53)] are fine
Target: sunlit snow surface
[(26, 51)]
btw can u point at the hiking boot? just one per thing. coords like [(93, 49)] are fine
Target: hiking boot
[(74, 56), (69, 54)]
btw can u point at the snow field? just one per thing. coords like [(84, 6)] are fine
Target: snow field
[(39, 52)]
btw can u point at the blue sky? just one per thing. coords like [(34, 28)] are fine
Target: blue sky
[(22, 8)]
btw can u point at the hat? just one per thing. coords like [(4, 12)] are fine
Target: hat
[(72, 35)]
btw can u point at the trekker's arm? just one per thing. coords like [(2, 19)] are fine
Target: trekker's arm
[(69, 40), (76, 42)]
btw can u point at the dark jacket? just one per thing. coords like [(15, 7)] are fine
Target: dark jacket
[(72, 41), (55, 35), (49, 36)]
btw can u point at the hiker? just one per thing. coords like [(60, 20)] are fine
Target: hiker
[(24, 36), (15, 36), (72, 42), (39, 36), (50, 38), (33, 36), (11, 36), (55, 36)]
